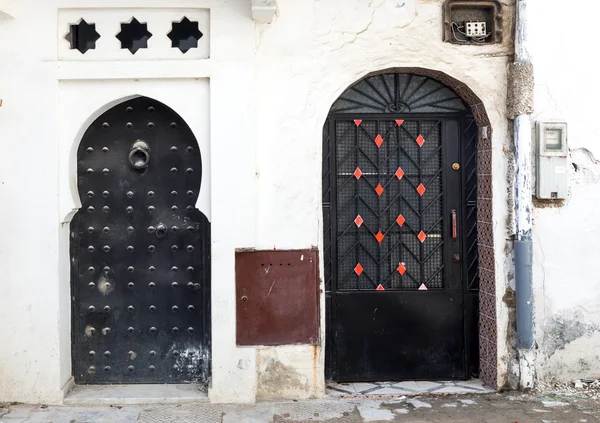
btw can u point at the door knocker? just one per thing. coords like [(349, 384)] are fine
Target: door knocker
[(139, 156)]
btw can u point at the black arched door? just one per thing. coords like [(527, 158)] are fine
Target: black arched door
[(140, 251), (400, 232)]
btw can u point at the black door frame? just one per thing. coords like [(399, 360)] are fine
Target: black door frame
[(465, 275)]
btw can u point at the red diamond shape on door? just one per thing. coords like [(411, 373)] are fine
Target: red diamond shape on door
[(421, 189), (401, 269), (399, 122), (400, 220), (399, 173), (357, 173), (380, 288), (379, 189), (378, 140), (420, 140), (358, 269), (379, 237), (358, 221), (422, 236), (357, 122)]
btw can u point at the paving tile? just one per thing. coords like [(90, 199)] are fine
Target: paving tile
[(405, 388), (363, 388), (390, 391), (340, 389), (452, 390), (428, 386), (476, 384), (19, 412), (411, 386)]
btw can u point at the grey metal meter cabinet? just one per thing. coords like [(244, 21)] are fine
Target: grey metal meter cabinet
[(552, 176)]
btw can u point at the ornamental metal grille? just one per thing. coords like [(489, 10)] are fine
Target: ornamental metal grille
[(389, 204), (398, 93), (469, 160)]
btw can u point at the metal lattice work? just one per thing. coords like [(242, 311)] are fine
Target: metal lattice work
[(389, 204), (470, 204), (398, 93)]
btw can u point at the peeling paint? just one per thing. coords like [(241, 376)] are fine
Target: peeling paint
[(276, 379), (105, 286), (89, 331)]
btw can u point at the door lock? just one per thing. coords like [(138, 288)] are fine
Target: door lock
[(455, 166), (456, 258)]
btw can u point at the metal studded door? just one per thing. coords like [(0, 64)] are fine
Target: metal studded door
[(397, 300), (140, 251)]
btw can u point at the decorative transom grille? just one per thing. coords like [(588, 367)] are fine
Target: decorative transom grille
[(389, 204), (398, 93)]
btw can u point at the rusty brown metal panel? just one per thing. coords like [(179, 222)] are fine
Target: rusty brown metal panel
[(277, 297)]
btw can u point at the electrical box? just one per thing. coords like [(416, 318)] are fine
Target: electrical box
[(552, 177), (473, 22), (277, 297)]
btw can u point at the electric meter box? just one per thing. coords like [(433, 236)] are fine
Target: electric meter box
[(552, 177)]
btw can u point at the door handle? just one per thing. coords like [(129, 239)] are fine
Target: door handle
[(454, 228)]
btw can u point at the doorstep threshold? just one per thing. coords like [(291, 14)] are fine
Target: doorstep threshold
[(135, 394)]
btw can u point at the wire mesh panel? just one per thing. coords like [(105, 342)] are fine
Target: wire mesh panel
[(389, 204)]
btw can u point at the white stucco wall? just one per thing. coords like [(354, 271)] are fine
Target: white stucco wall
[(567, 283), (271, 87), (305, 59)]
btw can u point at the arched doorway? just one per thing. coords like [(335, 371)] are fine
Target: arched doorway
[(140, 251), (400, 233)]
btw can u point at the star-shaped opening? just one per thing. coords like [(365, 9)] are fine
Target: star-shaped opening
[(82, 36), (134, 35), (185, 35)]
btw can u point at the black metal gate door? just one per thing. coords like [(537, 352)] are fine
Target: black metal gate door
[(140, 251), (400, 239)]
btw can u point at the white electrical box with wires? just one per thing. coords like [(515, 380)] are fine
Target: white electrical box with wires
[(474, 32), (476, 29), (473, 22)]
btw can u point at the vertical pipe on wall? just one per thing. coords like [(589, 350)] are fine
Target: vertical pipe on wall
[(523, 202)]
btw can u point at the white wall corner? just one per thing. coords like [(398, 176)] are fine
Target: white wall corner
[(263, 11)]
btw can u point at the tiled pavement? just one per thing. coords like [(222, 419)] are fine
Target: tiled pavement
[(473, 386), (427, 408)]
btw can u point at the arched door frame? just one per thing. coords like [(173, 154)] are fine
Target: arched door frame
[(487, 283)]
